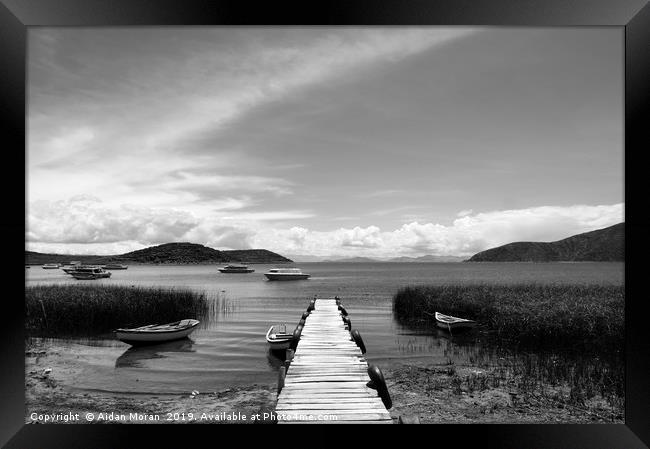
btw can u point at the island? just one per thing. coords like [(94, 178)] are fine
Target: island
[(183, 253)]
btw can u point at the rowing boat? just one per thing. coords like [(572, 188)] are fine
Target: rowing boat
[(157, 333), (449, 322), (278, 338)]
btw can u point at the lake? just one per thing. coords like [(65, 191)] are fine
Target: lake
[(229, 348)]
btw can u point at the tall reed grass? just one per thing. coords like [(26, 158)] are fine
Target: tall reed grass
[(58, 310), (528, 314)]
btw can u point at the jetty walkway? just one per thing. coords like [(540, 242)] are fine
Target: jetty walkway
[(327, 378)]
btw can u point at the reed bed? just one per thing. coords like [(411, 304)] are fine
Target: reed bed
[(587, 316), (62, 310)]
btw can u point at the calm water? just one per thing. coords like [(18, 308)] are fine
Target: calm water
[(229, 348)]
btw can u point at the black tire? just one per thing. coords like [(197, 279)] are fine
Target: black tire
[(378, 382), (356, 336), (343, 311), (305, 315), (297, 331), (347, 321)]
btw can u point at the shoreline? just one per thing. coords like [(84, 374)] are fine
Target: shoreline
[(434, 393)]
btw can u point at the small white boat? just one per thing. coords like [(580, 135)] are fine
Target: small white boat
[(115, 266), (89, 273), (278, 337), (157, 333), (449, 322), (286, 274), (51, 266), (236, 268)]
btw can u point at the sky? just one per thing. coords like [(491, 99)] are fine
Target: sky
[(322, 141)]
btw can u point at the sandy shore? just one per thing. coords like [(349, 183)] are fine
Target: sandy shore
[(433, 394)]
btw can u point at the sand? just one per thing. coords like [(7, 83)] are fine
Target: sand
[(431, 394)]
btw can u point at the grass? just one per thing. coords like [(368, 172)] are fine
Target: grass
[(559, 345), (54, 310), (586, 316)]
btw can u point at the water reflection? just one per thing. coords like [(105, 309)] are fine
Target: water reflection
[(275, 359), (135, 355)]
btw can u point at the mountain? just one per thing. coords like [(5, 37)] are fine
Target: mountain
[(168, 253), (427, 258), (299, 258), (354, 260), (602, 245)]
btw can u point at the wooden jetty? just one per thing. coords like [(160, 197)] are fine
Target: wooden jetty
[(326, 379)]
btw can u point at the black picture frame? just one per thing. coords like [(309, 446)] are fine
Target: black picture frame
[(632, 15)]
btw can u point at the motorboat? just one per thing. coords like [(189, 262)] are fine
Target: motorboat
[(449, 322), (278, 338), (89, 273), (73, 267), (286, 274), (236, 268), (51, 266), (115, 266), (157, 333)]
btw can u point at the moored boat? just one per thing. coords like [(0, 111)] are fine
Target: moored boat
[(114, 266), (51, 266), (89, 273), (71, 269), (278, 338), (449, 322), (156, 333), (286, 274), (236, 268)]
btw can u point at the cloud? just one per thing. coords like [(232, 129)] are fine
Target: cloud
[(464, 237), (216, 235), (360, 237), (86, 220), (206, 185)]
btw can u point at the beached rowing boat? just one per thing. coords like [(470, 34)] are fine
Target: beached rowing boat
[(157, 333)]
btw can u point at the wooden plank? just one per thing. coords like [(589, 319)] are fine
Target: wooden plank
[(340, 385), (339, 422), (297, 369), (296, 415), (329, 400), (329, 405), (308, 388), (343, 378)]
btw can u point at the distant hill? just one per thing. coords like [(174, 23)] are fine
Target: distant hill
[(353, 260), (168, 253), (427, 258), (602, 245)]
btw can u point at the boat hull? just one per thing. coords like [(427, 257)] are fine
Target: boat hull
[(116, 267), (89, 277), (279, 345), (447, 326), (243, 270), (286, 277)]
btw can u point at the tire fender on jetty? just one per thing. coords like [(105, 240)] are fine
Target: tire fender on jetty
[(377, 382), (356, 336)]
